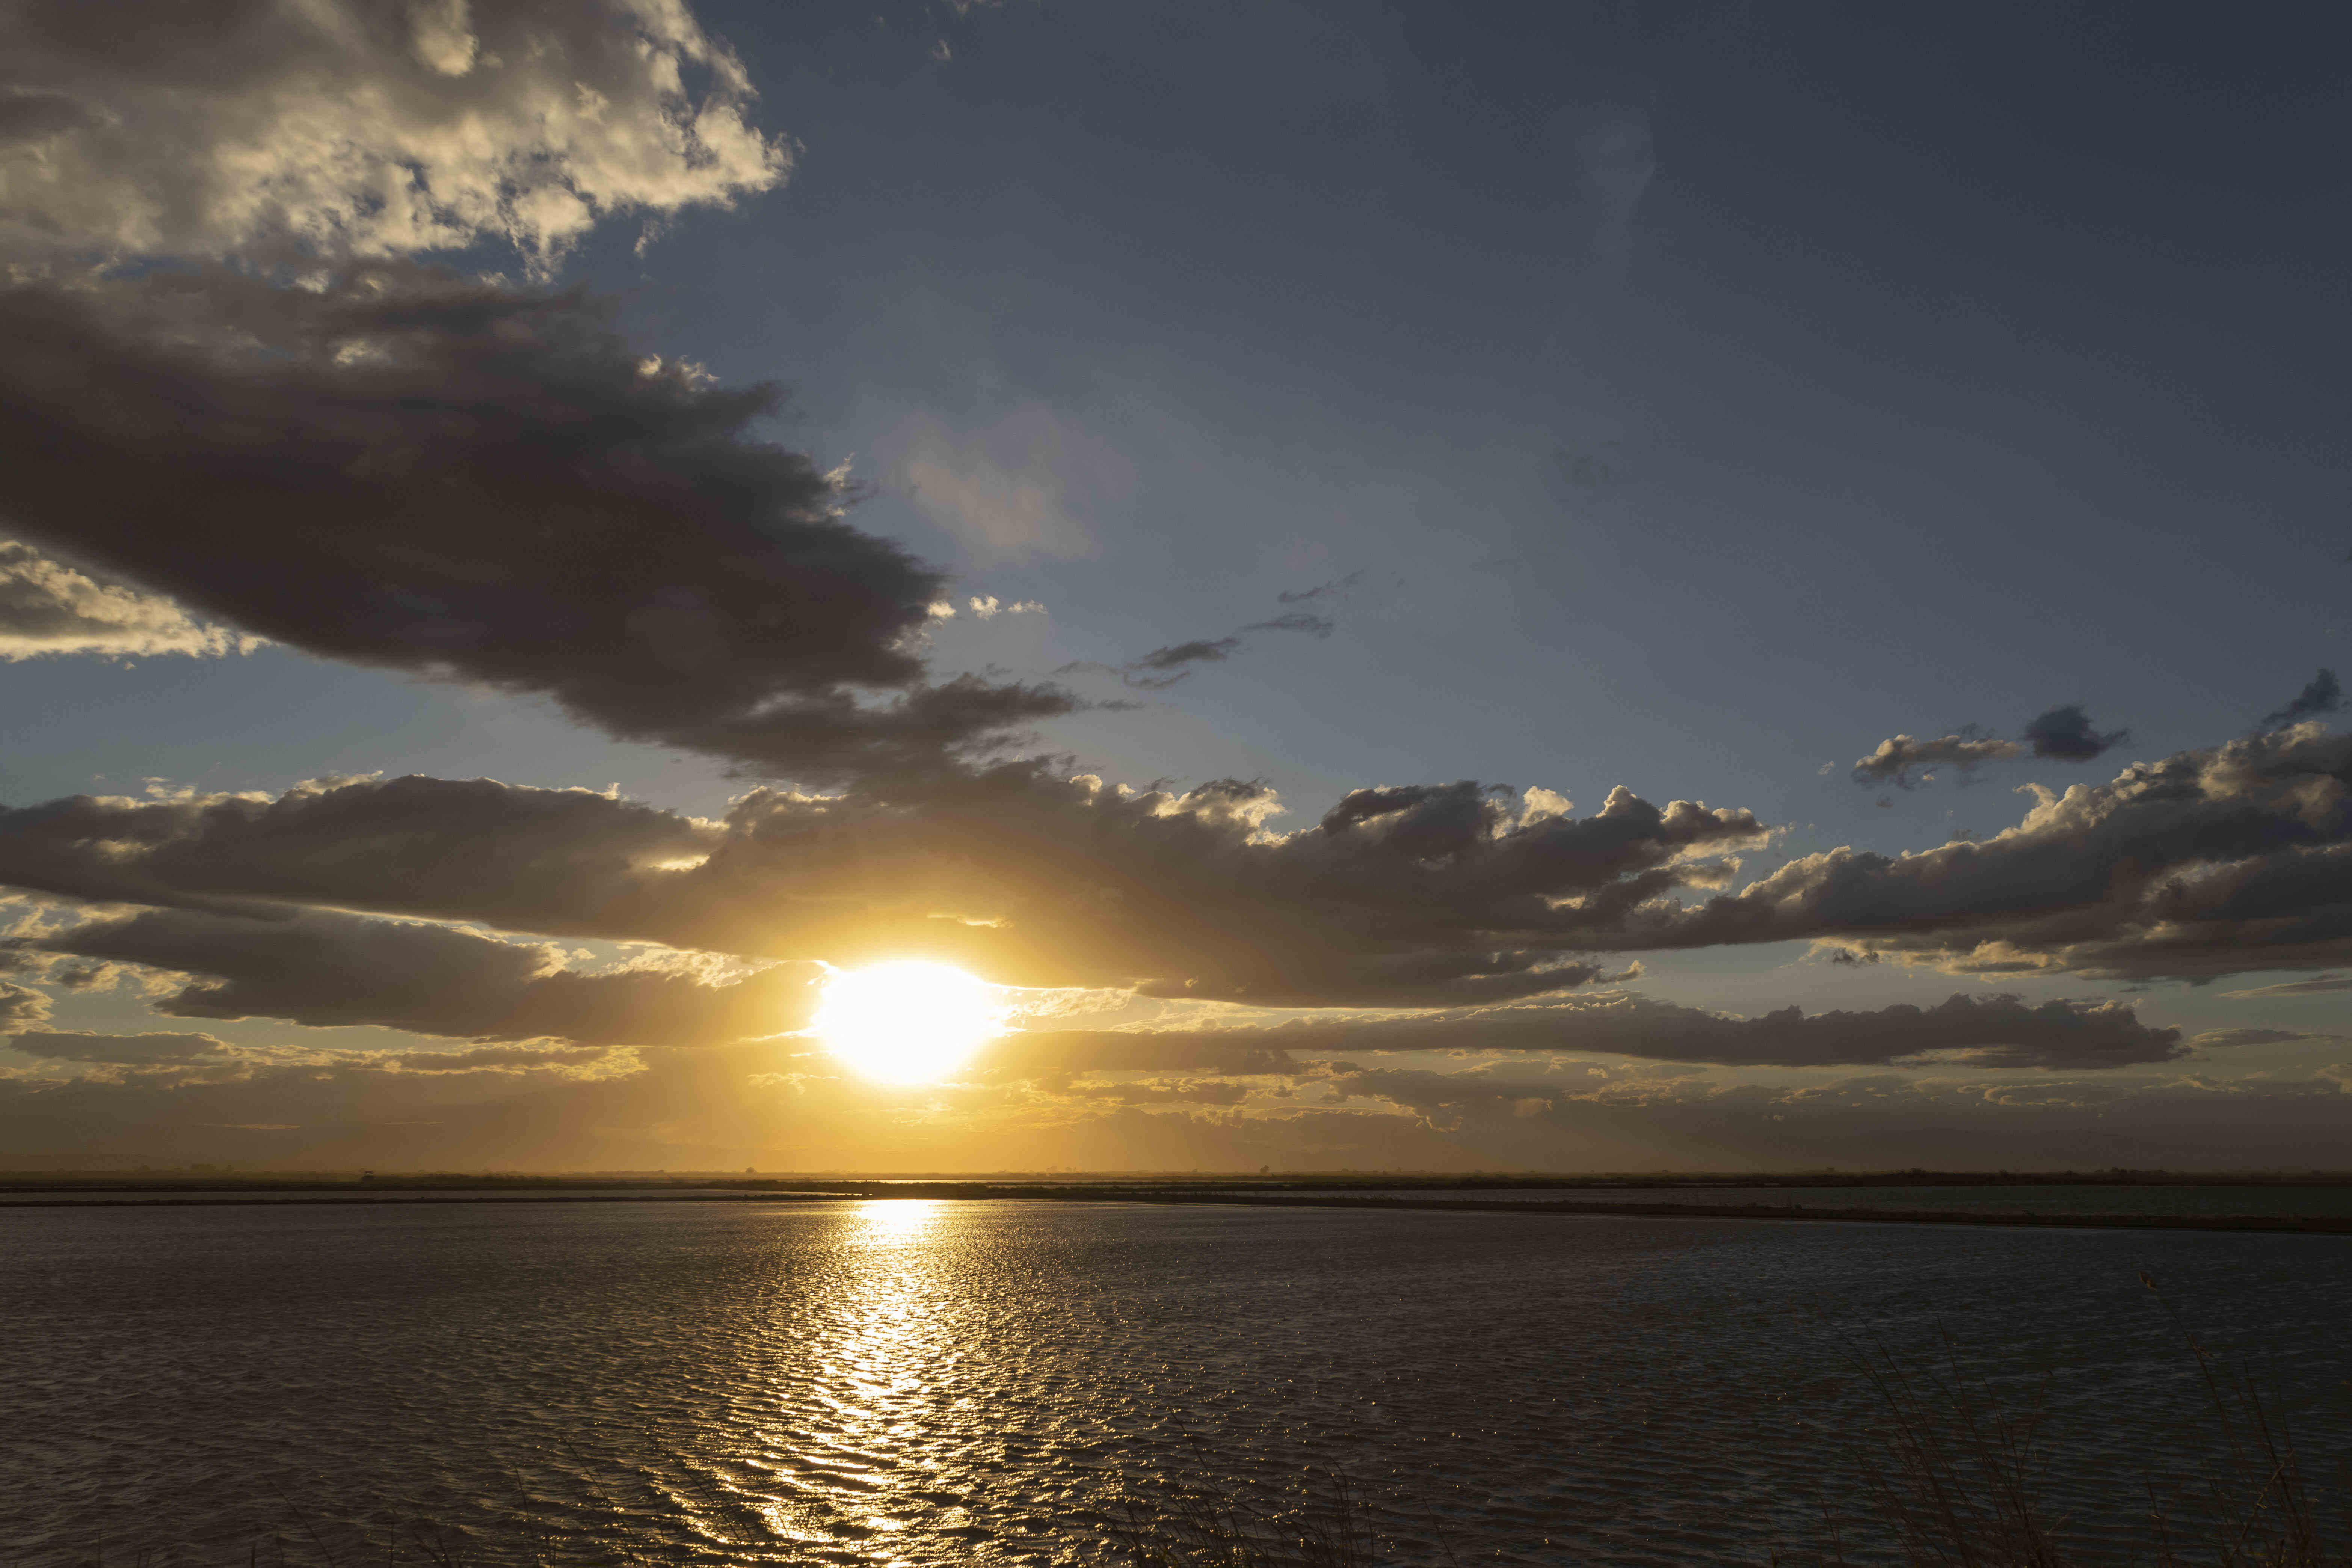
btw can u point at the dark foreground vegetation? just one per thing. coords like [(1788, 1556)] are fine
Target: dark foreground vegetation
[(1949, 1473), (1807, 1198)]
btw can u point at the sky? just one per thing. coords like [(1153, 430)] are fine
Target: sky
[(1425, 587)]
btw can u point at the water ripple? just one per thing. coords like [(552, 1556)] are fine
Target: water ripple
[(916, 1382)]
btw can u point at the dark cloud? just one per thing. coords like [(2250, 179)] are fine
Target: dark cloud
[(1321, 590), (122, 1050), (568, 862), (326, 969), (2062, 734), (414, 472), (21, 1006), (404, 469), (1426, 895), (1899, 757), (2322, 695), (1164, 667), (2211, 862), (1304, 621), (2065, 734), (1992, 1032)]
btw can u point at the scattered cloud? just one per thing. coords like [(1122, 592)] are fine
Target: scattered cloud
[(2322, 694), (290, 132), (2065, 734), (499, 1059), (1164, 667), (2211, 862), (1990, 1032), (2317, 983), (1321, 590), (48, 608), (2220, 1040), (1899, 757), (124, 1050), (21, 1006)]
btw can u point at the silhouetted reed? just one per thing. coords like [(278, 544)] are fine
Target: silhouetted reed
[(1957, 1477)]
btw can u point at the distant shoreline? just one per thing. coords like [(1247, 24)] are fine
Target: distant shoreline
[(2311, 1224)]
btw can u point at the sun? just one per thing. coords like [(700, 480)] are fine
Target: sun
[(909, 1022)]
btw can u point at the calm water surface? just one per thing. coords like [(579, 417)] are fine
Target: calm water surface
[(908, 1381)]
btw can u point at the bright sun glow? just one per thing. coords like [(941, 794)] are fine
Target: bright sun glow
[(907, 1023)]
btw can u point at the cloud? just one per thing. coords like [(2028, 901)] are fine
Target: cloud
[(1618, 163), (568, 862), (342, 129), (47, 607), (2217, 1039), (499, 1059), (1304, 621), (989, 606), (381, 469), (2323, 694), (321, 442), (1320, 590), (1180, 658), (1992, 1032), (327, 970), (2211, 862), (1031, 481), (1897, 757), (1179, 1091), (2065, 733), (21, 1006), (1164, 667), (1418, 895), (724, 1107), (2317, 984), (124, 1050)]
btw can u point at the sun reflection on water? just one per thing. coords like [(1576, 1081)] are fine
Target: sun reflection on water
[(865, 1465), (889, 1222)]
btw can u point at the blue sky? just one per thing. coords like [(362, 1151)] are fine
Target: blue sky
[(1681, 398)]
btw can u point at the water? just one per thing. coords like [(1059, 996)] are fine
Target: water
[(391, 1193), (2086, 1200), (911, 1382)]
